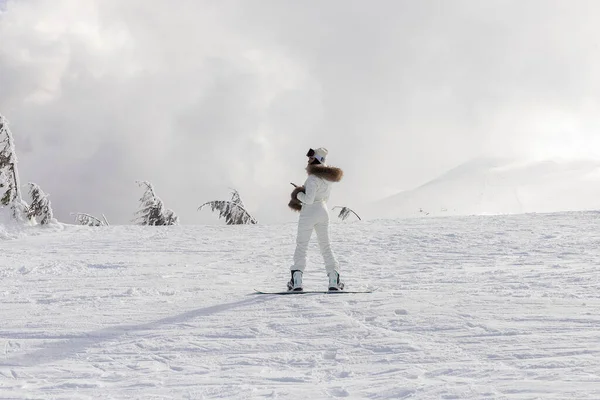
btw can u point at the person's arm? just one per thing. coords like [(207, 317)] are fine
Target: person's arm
[(308, 197)]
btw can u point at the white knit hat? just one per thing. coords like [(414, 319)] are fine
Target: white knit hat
[(321, 154)]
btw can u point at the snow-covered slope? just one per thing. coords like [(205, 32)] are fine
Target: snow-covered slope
[(496, 307), (498, 186)]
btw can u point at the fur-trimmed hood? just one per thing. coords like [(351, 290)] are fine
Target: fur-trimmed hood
[(326, 172)]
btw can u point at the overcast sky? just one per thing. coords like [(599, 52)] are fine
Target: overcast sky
[(200, 96)]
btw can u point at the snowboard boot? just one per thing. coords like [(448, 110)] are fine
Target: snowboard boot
[(295, 284), (334, 281)]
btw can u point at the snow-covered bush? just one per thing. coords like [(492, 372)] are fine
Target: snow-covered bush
[(345, 213), (90, 220), (232, 210), (152, 210), (40, 207)]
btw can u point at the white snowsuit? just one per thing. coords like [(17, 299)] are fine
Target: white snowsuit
[(315, 215)]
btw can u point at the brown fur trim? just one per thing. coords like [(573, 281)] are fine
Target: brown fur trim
[(326, 172), (294, 203)]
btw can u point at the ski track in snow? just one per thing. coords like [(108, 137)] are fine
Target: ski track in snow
[(503, 307)]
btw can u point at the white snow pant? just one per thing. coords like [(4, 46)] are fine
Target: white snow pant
[(314, 216)]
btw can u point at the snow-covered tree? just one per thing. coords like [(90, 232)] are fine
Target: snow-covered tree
[(90, 220), (9, 175), (345, 213), (40, 207), (170, 218), (232, 210), (152, 210)]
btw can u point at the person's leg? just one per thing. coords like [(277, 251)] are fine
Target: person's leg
[(331, 263), (305, 228)]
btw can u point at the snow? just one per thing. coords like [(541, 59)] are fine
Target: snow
[(490, 186), (480, 307)]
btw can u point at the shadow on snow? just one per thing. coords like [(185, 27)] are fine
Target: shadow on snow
[(61, 350)]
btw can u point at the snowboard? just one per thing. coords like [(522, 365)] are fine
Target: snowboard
[(316, 292)]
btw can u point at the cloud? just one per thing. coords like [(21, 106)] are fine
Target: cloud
[(197, 97)]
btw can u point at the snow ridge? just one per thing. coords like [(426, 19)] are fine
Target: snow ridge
[(500, 186)]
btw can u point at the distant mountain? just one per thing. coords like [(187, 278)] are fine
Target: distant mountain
[(500, 186)]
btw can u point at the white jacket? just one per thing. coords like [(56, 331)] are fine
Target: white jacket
[(316, 190), (317, 187)]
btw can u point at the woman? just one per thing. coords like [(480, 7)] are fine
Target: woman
[(311, 201)]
